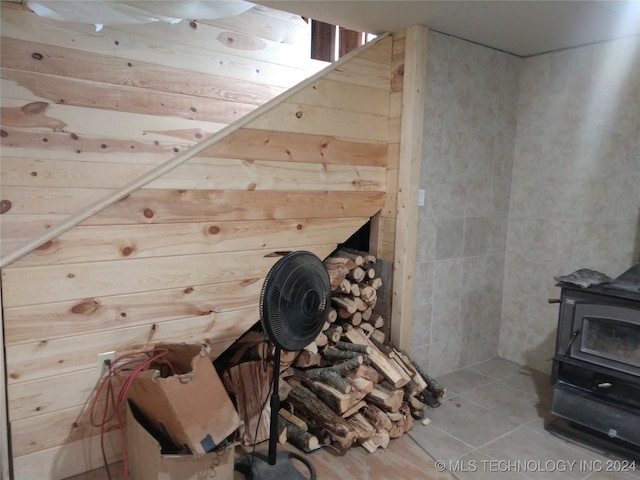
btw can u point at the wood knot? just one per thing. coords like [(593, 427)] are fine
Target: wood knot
[(74, 136), (37, 56), (126, 251), (45, 246), (148, 213), (71, 275), (3, 133), (299, 226), (34, 108), (103, 146), (214, 229), (5, 206), (188, 290), (123, 314), (89, 306), (193, 25), (299, 114)]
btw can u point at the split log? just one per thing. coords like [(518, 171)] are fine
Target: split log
[(369, 373), (353, 347), (250, 384), (378, 335), (356, 319), (436, 390), (376, 283), (367, 328), (322, 340), (397, 430), (377, 321), (378, 417), (364, 429), (408, 419), (357, 275), (314, 409), (360, 384), (368, 294), (389, 399), (286, 359), (336, 400), (344, 287), (383, 364), (333, 353), (331, 377), (343, 260), (332, 315), (283, 390), (334, 333), (337, 273), (352, 254), (282, 433), (367, 314), (418, 383), (297, 437), (369, 261), (354, 289), (380, 439), (346, 303), (293, 418), (355, 408), (307, 359), (416, 407)]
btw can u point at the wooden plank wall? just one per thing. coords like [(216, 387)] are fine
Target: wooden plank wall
[(184, 258)]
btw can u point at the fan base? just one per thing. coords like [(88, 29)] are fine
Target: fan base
[(256, 467)]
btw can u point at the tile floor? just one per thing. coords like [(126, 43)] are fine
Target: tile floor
[(491, 426)]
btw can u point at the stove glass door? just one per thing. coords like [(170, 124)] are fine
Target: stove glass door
[(608, 335), (613, 339)]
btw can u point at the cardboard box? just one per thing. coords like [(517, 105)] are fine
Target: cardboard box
[(147, 461), (191, 406)]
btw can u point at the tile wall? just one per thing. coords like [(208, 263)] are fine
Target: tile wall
[(575, 194), (470, 118), (531, 169)]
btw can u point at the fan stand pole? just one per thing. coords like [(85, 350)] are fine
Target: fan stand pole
[(277, 465), (275, 408)]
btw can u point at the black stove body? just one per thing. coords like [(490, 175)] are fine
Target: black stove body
[(596, 366)]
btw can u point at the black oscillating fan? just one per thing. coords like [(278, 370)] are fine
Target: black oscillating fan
[(294, 304)]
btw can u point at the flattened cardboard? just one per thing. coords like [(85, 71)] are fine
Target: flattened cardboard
[(192, 407)]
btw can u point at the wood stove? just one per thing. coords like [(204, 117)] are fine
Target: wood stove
[(596, 366)]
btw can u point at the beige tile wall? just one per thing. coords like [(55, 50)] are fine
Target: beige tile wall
[(575, 193), (531, 169), (471, 102)]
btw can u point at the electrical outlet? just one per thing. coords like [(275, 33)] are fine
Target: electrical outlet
[(104, 360)]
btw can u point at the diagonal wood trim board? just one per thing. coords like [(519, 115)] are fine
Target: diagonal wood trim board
[(176, 161)]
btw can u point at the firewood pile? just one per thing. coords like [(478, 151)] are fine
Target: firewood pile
[(348, 387)]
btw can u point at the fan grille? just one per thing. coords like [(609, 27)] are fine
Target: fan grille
[(295, 300)]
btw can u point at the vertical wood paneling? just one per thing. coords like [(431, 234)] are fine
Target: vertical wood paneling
[(410, 159)]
